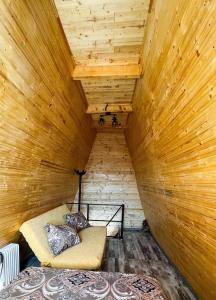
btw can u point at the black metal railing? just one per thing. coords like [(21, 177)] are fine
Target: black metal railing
[(120, 209)]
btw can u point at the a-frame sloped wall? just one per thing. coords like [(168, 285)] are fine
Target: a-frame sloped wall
[(44, 131), (172, 136), (110, 179)]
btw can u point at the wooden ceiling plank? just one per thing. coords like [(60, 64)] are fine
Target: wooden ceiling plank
[(81, 72), (113, 108)]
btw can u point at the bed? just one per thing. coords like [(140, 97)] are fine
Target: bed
[(48, 283)]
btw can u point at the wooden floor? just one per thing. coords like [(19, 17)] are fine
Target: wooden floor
[(139, 253)]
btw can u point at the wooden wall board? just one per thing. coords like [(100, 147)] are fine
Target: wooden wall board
[(172, 136), (110, 179), (42, 115)]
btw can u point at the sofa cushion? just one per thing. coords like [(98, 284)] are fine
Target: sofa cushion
[(86, 255), (35, 233), (77, 220), (61, 237)]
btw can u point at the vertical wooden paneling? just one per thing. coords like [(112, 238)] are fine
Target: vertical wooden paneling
[(172, 136), (110, 179), (44, 131)]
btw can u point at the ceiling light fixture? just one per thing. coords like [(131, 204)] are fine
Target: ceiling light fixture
[(115, 122), (101, 120)]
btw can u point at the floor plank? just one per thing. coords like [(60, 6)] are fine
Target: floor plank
[(139, 253)]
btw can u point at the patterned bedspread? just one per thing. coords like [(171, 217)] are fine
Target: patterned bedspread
[(48, 283)]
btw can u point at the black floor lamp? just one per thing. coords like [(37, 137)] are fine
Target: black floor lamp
[(80, 174)]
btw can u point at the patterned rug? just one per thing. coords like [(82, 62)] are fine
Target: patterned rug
[(48, 283)]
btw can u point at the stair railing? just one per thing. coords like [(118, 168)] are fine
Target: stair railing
[(120, 208)]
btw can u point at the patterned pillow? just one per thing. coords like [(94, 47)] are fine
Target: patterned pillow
[(61, 237), (77, 220)]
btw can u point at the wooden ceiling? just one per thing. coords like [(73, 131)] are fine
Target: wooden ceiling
[(106, 39)]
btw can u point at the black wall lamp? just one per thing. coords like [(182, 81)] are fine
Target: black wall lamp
[(115, 122), (101, 120)]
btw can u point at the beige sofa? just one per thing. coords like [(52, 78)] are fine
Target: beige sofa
[(86, 255)]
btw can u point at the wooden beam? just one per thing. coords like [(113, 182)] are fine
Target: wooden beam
[(114, 108), (82, 72)]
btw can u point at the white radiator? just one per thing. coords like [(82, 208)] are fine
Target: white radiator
[(10, 267)]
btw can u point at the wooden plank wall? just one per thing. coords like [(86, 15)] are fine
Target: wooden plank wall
[(110, 179), (172, 136), (44, 131)]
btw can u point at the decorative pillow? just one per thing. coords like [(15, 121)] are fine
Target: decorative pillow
[(61, 237), (77, 220)]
